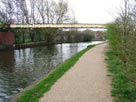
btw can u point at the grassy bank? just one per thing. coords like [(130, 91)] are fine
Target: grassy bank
[(33, 94), (122, 89)]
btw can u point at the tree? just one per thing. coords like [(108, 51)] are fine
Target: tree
[(7, 10), (122, 37), (33, 12)]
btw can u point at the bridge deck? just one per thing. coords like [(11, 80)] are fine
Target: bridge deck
[(58, 26)]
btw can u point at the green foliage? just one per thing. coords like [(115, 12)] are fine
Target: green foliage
[(33, 94), (122, 38), (2, 24), (88, 35), (17, 35), (122, 41), (122, 89), (51, 36), (34, 35), (72, 36), (114, 36)]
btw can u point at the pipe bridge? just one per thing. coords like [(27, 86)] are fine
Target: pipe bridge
[(97, 26)]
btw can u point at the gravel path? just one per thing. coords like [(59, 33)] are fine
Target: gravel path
[(86, 81)]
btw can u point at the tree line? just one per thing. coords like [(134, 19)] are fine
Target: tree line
[(35, 11), (122, 36), (75, 36)]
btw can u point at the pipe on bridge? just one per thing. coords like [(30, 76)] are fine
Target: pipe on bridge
[(101, 26)]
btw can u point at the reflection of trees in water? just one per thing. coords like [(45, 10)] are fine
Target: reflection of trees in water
[(7, 60), (8, 82), (47, 50), (41, 60), (73, 48), (68, 50), (30, 65), (59, 55)]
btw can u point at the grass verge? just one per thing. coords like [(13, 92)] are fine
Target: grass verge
[(33, 94), (121, 85)]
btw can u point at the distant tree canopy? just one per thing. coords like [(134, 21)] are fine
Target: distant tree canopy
[(75, 36), (35, 11)]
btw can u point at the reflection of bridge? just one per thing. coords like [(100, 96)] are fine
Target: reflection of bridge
[(101, 26)]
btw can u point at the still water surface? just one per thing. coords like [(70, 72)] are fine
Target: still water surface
[(19, 68)]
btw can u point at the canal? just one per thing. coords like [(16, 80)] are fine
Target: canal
[(19, 68)]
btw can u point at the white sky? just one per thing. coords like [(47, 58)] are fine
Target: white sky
[(94, 11)]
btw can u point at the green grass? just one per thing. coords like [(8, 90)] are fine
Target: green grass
[(28, 40), (121, 85), (33, 94)]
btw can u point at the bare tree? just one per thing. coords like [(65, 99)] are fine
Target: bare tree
[(33, 11), (42, 11), (46, 9), (61, 11), (7, 10), (24, 11)]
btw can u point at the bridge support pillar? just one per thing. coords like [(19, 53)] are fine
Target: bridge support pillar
[(6, 40)]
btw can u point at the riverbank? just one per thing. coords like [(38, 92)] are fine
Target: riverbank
[(30, 45), (36, 92), (122, 89)]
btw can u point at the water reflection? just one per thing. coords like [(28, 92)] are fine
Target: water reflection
[(19, 68), (7, 59), (7, 68)]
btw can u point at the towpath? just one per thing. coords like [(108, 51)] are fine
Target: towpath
[(86, 81)]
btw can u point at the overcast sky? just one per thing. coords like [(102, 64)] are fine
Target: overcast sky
[(94, 11)]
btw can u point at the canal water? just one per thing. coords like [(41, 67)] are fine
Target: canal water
[(19, 68)]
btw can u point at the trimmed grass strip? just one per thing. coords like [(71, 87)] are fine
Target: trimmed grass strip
[(33, 94)]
